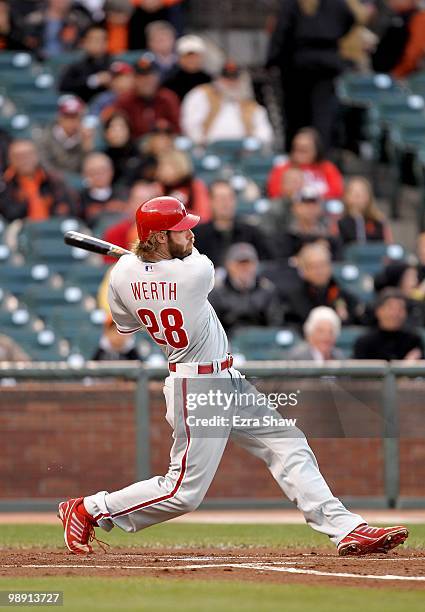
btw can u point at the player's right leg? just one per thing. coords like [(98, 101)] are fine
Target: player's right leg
[(293, 464), (194, 460)]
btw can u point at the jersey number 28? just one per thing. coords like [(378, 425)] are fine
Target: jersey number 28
[(172, 326)]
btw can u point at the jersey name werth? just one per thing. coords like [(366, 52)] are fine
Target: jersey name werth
[(162, 290)]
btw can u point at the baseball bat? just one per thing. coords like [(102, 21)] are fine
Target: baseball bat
[(94, 245)]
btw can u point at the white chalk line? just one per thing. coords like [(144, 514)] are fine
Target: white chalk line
[(295, 570), (250, 566)]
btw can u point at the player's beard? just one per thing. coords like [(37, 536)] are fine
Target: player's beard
[(177, 251)]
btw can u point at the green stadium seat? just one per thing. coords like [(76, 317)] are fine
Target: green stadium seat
[(257, 168), (350, 277), (74, 180), (41, 106), (365, 89), (258, 208), (405, 140), (106, 220), (4, 255), (87, 343), (416, 83), (18, 126), (228, 151), (73, 322), (15, 60), (45, 346), (207, 168), (55, 227), (44, 299), (18, 279), (57, 63), (88, 278), (19, 318), (24, 329), (370, 257), (54, 253), (21, 90), (409, 132), (347, 338), (130, 57), (263, 343), (16, 81)]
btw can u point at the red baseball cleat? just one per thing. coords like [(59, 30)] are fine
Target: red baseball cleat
[(78, 529), (365, 540)]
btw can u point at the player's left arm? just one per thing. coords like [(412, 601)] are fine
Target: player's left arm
[(126, 322)]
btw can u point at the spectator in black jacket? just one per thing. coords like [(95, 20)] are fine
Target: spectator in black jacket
[(89, 76), (145, 12), (53, 27), (308, 224), (5, 140), (362, 220), (29, 191), (243, 297), (420, 253), (390, 339), (113, 346), (317, 287), (403, 276), (401, 49), (215, 237), (129, 163), (9, 33), (99, 195), (304, 46), (188, 73)]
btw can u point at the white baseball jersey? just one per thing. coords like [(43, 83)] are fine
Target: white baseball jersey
[(169, 300)]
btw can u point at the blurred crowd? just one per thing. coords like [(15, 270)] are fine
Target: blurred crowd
[(131, 125)]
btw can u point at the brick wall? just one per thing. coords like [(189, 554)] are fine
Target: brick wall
[(65, 439), (412, 442)]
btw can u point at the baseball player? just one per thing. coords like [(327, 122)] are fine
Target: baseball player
[(162, 288)]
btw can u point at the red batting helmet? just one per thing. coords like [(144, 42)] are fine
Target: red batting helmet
[(163, 213)]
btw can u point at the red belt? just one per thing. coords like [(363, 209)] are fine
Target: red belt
[(208, 368)]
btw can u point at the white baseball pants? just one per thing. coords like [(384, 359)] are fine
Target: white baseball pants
[(194, 461)]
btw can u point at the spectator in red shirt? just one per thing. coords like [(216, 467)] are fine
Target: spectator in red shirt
[(124, 233), (149, 102), (306, 154)]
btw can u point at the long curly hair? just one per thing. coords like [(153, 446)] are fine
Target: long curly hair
[(144, 249)]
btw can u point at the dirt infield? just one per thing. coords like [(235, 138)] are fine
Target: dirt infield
[(404, 568)]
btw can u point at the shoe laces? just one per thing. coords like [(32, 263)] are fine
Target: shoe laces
[(92, 538)]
